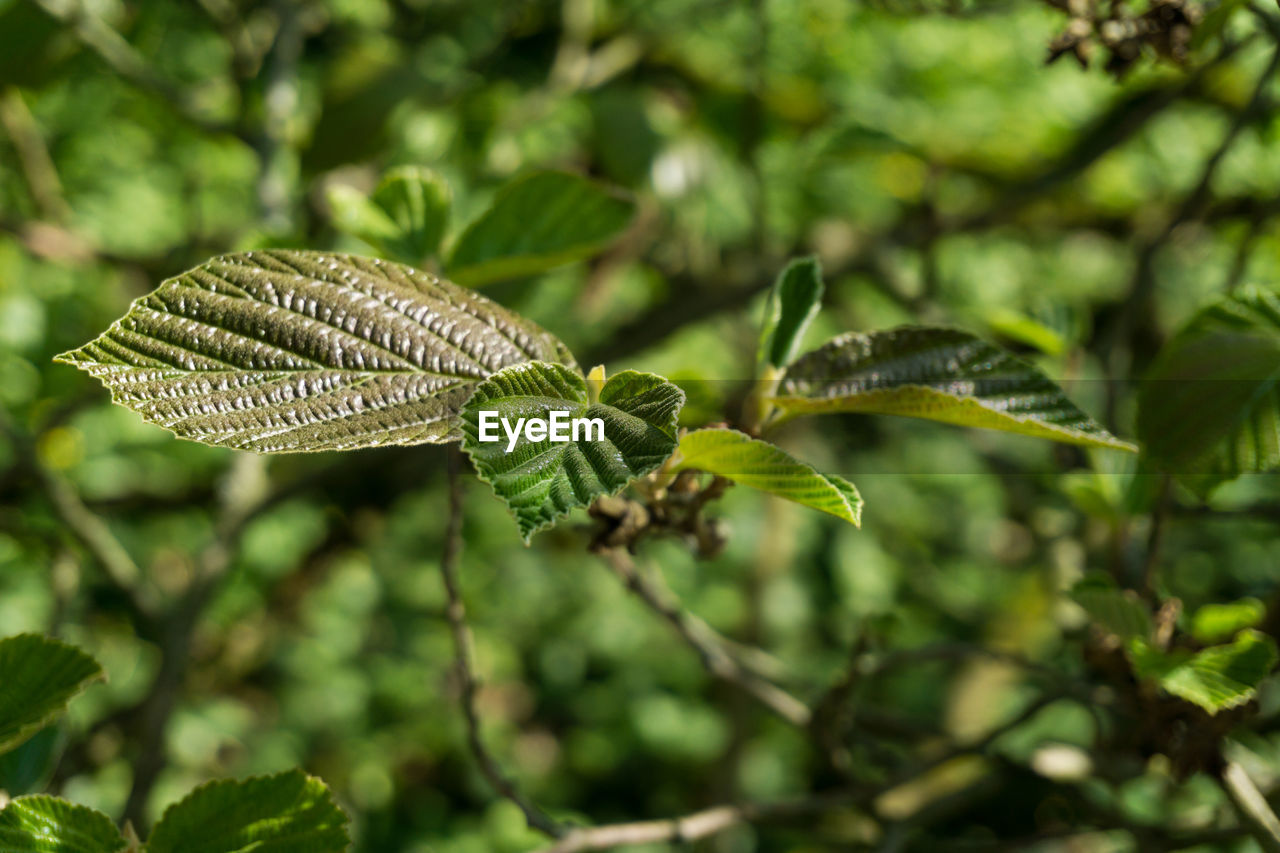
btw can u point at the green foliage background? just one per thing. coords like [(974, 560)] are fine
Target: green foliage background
[(941, 171)]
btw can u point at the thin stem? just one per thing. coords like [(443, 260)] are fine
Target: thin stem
[(462, 645), (1253, 808), (714, 652)]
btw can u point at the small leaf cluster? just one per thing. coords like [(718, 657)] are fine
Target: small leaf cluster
[(288, 812)]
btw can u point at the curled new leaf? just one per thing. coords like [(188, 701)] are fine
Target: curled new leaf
[(939, 374), (791, 306), (542, 480), (280, 351), (289, 812), (405, 217), (38, 676), (41, 824), (760, 465)]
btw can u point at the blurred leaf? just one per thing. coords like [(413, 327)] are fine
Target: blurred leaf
[(403, 220), (1209, 410), (541, 481), (281, 351), (38, 676), (356, 214), (25, 769), (1214, 622), (1117, 611), (1216, 678), (538, 222), (792, 304), (41, 824), (761, 465), (290, 812), (938, 374), (1018, 326)]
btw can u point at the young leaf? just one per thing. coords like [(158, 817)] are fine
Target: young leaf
[(1210, 409), (1216, 678), (417, 200), (1215, 622), (939, 374), (792, 304), (1116, 611), (289, 812), (284, 351), (760, 465), (538, 222), (542, 480), (40, 824), (405, 217), (38, 676)]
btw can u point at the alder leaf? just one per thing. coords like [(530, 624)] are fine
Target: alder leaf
[(42, 824), (792, 304), (1209, 410), (537, 222), (760, 465), (938, 374), (286, 351), (1215, 678), (289, 812), (542, 480), (38, 677)]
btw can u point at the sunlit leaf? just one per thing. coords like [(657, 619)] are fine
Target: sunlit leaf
[(761, 465), (542, 480), (1214, 622), (792, 304), (38, 676), (289, 812), (41, 824), (1210, 408), (939, 374), (538, 222), (1216, 678), (279, 351)]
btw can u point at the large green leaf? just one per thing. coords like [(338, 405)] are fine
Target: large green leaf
[(405, 217), (542, 480), (538, 222), (1216, 678), (939, 374), (279, 351), (41, 824), (38, 676), (760, 465), (791, 306), (1210, 408), (290, 812)]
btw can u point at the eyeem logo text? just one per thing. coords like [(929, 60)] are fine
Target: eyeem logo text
[(558, 427)]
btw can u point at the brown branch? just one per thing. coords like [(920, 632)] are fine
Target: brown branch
[(713, 650), (240, 499), (711, 821), (83, 524), (462, 644), (123, 59), (37, 166), (1254, 810), (697, 825)]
